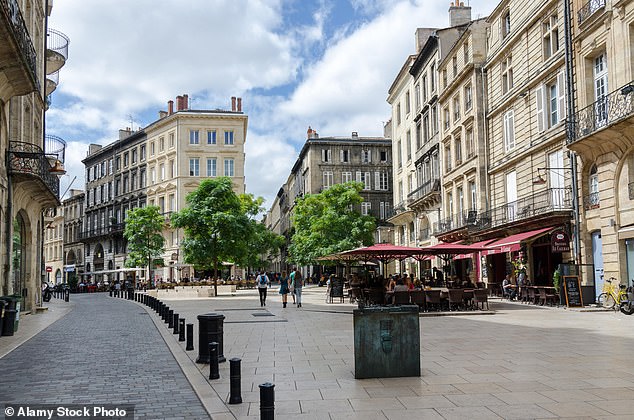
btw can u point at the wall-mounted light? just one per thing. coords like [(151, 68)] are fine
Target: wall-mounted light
[(57, 168)]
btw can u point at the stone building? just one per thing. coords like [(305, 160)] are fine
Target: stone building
[(73, 210), (31, 55)]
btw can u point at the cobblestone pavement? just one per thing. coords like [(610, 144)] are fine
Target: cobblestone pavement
[(105, 351)]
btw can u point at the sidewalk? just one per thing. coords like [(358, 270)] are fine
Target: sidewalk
[(523, 362)]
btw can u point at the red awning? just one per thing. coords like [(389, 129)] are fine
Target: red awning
[(476, 244), (513, 243)]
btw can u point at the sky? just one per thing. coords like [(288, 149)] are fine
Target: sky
[(327, 64)]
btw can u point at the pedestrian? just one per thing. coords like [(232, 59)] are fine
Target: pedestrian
[(262, 281), (117, 288), (298, 283), (291, 285), (284, 288)]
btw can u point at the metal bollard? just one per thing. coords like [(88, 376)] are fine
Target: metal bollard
[(110, 292), (210, 329), (234, 378), (170, 319), (175, 323), (181, 329), (267, 401), (66, 295), (214, 372), (190, 337)]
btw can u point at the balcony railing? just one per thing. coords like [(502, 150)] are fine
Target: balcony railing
[(12, 14), (613, 107), (548, 201), (591, 201), (55, 146), (425, 189), (463, 219), (29, 159), (102, 231), (57, 46), (588, 9)]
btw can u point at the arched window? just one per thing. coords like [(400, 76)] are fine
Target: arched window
[(593, 188)]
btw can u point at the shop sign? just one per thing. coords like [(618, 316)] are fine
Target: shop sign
[(559, 241)]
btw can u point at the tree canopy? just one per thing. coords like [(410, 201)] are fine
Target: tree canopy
[(143, 231), (328, 222)]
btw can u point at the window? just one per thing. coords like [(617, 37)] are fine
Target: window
[(551, 36), (142, 153), (468, 98), (434, 119), (117, 187), (152, 149), (228, 137), (456, 108), (172, 168), (211, 167), (142, 179), (426, 134), (454, 66), (132, 183), (419, 140), (153, 175), (384, 209), (383, 154), (417, 96), (473, 195), (511, 195), (194, 137), (328, 179), (326, 155), (424, 88), (162, 171), (346, 177), (211, 136), (133, 157), (125, 184), (400, 191), (551, 103), (444, 78), (458, 150), (469, 142), (399, 150), (398, 114), (465, 52), (460, 195), (126, 159), (172, 202), (432, 77), (505, 24), (110, 167), (506, 71), (509, 131), (407, 103), (446, 118), (344, 156), (103, 166), (162, 204), (600, 72), (366, 156), (380, 181), (593, 187), (365, 208), (364, 177), (450, 204), (161, 144), (171, 140), (447, 158), (229, 167), (194, 167)]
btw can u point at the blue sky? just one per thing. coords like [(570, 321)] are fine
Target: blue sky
[(295, 63)]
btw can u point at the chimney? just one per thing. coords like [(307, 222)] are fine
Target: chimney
[(309, 133), (179, 103), (185, 101), (459, 14), (233, 104), (239, 104), (170, 107), (162, 114), (355, 135), (124, 134)]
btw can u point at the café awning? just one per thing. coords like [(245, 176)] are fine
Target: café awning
[(481, 244), (513, 243)]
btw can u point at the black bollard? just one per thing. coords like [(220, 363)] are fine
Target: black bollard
[(110, 292), (210, 329), (234, 378), (214, 372), (190, 337), (170, 319), (66, 295), (181, 329), (267, 401), (175, 323)]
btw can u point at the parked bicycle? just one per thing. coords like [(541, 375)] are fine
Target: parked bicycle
[(612, 295)]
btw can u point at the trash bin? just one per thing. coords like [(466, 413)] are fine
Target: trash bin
[(210, 329), (386, 341), (2, 305), (13, 303)]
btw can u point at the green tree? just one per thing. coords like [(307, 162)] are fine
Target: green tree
[(143, 231), (216, 223), (328, 222)]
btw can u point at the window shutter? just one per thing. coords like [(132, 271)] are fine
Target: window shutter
[(329, 155), (561, 93), (358, 176), (341, 155), (369, 156), (541, 115), (377, 180), (368, 181)]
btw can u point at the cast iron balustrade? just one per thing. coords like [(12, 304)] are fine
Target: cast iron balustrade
[(464, 219), (611, 108), (102, 231), (588, 9), (12, 15), (29, 159), (547, 201), (55, 146), (591, 201), (57, 46), (426, 188)]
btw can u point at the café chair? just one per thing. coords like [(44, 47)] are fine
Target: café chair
[(480, 298)]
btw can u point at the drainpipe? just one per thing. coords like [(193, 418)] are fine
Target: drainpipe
[(9, 223)]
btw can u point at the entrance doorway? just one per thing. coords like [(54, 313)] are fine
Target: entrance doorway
[(597, 257)]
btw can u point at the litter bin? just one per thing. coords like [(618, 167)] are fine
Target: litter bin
[(2, 305), (14, 303), (386, 341)]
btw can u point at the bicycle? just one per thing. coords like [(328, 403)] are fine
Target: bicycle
[(611, 297)]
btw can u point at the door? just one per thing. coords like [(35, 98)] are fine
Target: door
[(629, 255), (597, 256), (511, 195), (601, 90)]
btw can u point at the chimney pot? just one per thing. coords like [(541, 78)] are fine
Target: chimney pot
[(239, 104), (185, 101), (170, 107), (233, 104), (179, 103)]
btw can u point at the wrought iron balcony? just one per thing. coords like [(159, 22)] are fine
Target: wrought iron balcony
[(613, 107), (55, 146), (588, 9), (591, 201), (52, 80), (17, 41), (426, 188), (102, 231), (544, 202), (463, 219), (57, 50), (28, 161)]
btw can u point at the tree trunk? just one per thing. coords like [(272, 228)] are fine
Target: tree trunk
[(215, 277)]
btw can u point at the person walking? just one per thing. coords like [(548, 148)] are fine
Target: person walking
[(262, 281), (291, 285), (284, 288), (298, 283)]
